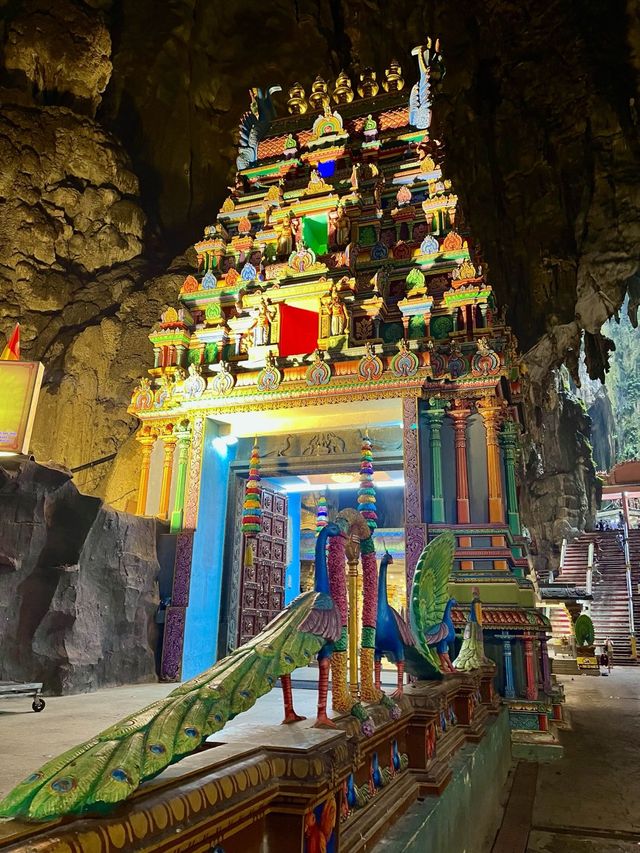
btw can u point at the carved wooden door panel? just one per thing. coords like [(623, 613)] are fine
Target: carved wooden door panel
[(262, 584)]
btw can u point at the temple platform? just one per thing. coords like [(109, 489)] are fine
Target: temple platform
[(256, 782)]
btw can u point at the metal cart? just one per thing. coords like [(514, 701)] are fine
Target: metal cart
[(14, 688)]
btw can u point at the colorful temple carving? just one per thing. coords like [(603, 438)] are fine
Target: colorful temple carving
[(339, 290)]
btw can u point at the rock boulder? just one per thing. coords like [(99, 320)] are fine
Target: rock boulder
[(78, 587)]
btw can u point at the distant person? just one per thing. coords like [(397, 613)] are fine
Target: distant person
[(604, 663), (608, 651)]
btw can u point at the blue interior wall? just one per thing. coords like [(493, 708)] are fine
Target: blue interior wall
[(292, 574), (203, 612)]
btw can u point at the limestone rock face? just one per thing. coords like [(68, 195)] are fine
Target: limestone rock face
[(61, 48), (82, 412), (558, 493), (78, 587)]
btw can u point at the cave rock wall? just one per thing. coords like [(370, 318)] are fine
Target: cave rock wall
[(78, 589), (558, 487)]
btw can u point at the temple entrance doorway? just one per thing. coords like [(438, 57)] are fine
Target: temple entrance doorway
[(262, 572), (294, 495)]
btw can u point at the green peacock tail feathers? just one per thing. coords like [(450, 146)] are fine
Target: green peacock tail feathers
[(108, 768), (430, 591)]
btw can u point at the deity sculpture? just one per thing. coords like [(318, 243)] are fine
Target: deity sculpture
[(261, 326), (285, 238), (296, 232), (337, 311), (342, 227)]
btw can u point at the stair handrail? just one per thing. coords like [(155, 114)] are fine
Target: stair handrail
[(563, 555), (589, 578), (627, 573)]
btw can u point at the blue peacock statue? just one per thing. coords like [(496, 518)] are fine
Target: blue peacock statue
[(108, 768), (423, 648), (392, 632)]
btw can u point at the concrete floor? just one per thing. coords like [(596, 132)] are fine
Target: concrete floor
[(589, 801)]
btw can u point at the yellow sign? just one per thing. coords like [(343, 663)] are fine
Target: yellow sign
[(587, 662), (19, 387)]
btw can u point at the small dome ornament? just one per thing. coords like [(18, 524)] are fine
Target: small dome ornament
[(394, 81), (297, 103), (319, 97), (343, 92), (368, 86)]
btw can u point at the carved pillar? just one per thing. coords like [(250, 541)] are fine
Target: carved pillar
[(415, 536), (459, 414), (490, 409), (509, 442), (169, 440), (183, 436), (530, 667), (176, 613), (435, 416), (509, 689), (147, 440), (546, 670), (353, 554)]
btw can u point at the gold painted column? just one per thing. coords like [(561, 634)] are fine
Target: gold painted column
[(147, 439), (169, 440), (491, 409)]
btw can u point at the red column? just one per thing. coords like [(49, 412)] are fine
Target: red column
[(459, 412), (530, 667)]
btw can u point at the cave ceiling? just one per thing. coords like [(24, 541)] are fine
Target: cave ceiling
[(118, 134)]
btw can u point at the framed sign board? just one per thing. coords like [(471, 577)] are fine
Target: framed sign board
[(19, 388)]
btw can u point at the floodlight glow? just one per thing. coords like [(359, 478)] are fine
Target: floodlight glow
[(219, 445)]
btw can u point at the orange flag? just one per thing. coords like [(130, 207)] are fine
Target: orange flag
[(11, 352)]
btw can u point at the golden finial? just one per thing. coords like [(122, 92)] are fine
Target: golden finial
[(394, 81), (319, 96), (297, 102), (343, 92), (368, 86)]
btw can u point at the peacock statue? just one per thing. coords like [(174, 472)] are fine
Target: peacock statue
[(471, 655), (392, 632), (430, 610), (108, 768)]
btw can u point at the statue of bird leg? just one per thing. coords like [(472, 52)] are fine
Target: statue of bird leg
[(323, 690), (445, 660), (290, 715), (377, 674), (398, 693)]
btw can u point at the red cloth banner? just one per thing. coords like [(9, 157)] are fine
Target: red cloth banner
[(298, 331)]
